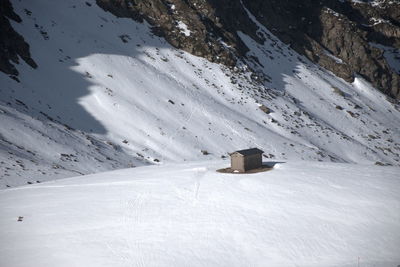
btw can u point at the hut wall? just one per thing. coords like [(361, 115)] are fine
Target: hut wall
[(252, 162), (237, 163)]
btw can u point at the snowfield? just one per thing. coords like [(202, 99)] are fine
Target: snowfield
[(108, 94), (298, 214)]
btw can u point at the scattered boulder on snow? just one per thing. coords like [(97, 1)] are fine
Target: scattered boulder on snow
[(265, 109)]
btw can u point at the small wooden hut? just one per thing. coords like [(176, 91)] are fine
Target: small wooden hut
[(247, 159)]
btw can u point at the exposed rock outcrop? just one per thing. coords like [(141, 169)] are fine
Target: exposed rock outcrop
[(203, 28), (343, 36)]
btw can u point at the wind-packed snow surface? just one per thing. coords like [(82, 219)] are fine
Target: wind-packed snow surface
[(298, 214), (109, 94)]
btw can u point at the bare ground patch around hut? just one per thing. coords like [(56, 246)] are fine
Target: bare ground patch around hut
[(266, 166)]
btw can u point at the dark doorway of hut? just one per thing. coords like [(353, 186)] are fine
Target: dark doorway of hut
[(248, 161)]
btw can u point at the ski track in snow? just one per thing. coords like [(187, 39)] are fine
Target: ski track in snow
[(199, 175)]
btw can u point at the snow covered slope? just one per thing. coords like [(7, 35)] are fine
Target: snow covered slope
[(109, 94), (298, 214)]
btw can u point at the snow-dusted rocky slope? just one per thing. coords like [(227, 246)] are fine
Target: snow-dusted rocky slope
[(298, 214), (109, 94)]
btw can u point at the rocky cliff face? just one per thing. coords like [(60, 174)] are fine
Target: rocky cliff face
[(349, 38), (346, 37), (12, 45), (203, 28)]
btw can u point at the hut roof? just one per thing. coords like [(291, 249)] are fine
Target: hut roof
[(248, 152)]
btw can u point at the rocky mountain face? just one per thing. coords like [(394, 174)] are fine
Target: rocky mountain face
[(346, 37), (12, 45), (211, 26)]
